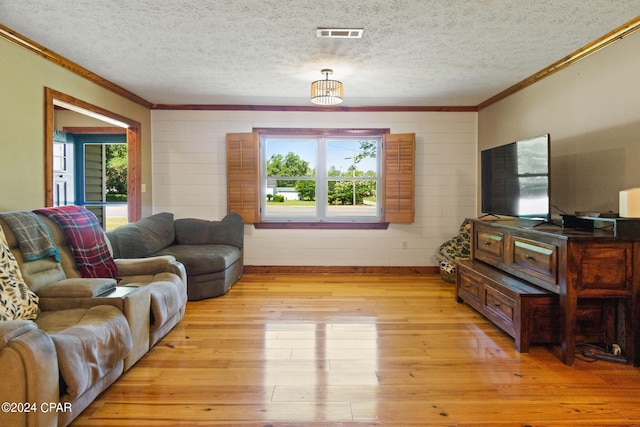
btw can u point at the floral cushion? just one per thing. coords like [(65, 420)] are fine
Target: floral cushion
[(459, 247), (17, 301)]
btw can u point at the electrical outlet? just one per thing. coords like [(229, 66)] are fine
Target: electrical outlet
[(405, 245)]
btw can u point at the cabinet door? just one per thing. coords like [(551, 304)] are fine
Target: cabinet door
[(602, 269)]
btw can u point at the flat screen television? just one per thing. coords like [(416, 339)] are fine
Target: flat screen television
[(515, 179)]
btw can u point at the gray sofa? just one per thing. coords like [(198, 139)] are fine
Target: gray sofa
[(211, 251)]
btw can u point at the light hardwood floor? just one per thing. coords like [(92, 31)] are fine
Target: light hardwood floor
[(346, 350)]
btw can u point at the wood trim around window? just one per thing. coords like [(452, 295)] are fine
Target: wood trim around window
[(320, 225), (321, 131), (397, 190), (134, 149)]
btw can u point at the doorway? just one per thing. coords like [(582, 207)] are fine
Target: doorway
[(130, 128), (90, 169)]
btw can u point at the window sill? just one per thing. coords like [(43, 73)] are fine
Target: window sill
[(295, 225)]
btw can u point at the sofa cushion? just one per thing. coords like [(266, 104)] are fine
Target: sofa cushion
[(203, 259), (89, 344), (17, 301), (228, 231), (145, 237)]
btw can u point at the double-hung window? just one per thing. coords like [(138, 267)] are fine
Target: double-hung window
[(320, 178)]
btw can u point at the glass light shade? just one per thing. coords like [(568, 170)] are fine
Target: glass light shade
[(326, 92)]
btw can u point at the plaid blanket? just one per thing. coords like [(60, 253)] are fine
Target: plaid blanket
[(85, 238), (34, 237)]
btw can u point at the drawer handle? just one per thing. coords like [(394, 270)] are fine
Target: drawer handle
[(529, 257), (487, 243), (496, 304)]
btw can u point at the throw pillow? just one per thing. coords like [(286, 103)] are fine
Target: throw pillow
[(459, 247), (17, 301)]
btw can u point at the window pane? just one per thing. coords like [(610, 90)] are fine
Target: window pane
[(348, 157), (290, 158), (294, 159), (356, 162), (289, 201), (340, 172), (354, 198)]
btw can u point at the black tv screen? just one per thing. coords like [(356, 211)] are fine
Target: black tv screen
[(515, 179)]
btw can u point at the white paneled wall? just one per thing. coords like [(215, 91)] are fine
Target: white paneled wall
[(188, 160)]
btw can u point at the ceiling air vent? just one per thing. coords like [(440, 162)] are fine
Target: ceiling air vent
[(340, 33)]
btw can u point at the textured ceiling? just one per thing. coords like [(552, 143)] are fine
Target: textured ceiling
[(265, 52)]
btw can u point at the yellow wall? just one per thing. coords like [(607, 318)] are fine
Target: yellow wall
[(23, 77), (592, 111)]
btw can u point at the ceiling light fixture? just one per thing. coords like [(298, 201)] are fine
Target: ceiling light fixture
[(326, 92)]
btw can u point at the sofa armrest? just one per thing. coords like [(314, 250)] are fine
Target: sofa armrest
[(14, 328), (228, 231), (77, 288), (29, 372), (151, 266)]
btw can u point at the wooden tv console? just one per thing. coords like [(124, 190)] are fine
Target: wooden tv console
[(548, 284)]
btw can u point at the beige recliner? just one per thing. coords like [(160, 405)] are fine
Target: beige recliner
[(108, 318), (53, 368)]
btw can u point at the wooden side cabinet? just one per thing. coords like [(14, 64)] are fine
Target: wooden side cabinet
[(582, 286), (525, 312)]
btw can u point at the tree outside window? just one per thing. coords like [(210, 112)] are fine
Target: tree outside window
[(116, 172)]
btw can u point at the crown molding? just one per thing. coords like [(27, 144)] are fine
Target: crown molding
[(604, 41), (233, 107), (47, 54)]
